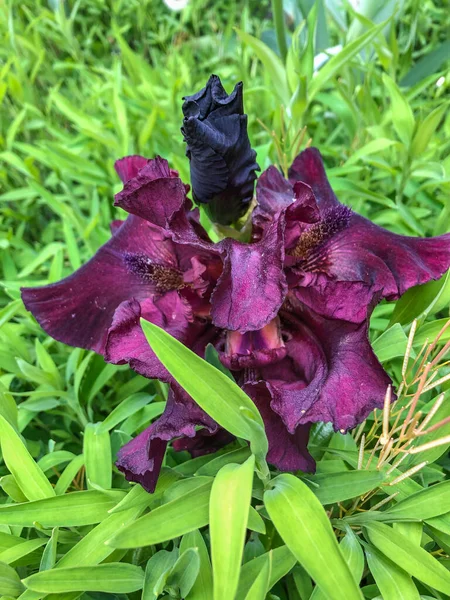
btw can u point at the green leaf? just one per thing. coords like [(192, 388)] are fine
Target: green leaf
[(430, 502), (282, 562), (12, 554), (393, 582), (337, 62), (125, 409), (273, 65), (304, 527), (213, 391), (183, 574), (426, 130), (228, 515), (411, 558), (91, 549), (428, 64), (48, 559), (156, 572), (166, 522), (203, 586), (391, 344), (113, 577), (422, 300), (337, 487), (29, 477), (354, 557), (260, 586), (402, 115), (71, 510), (97, 456), (212, 467), (10, 584), (370, 148)]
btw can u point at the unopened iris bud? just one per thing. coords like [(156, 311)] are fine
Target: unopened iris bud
[(222, 162)]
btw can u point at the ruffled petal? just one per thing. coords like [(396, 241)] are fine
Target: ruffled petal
[(129, 166), (287, 451), (126, 342), (140, 460), (252, 286), (330, 372), (204, 442), (154, 194), (388, 262), (79, 309), (308, 168), (345, 247)]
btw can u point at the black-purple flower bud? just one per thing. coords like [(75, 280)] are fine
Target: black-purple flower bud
[(223, 166)]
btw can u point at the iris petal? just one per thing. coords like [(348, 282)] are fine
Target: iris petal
[(140, 460), (252, 286), (79, 309), (330, 372), (379, 263)]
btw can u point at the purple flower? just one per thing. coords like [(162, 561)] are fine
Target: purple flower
[(223, 167), (288, 313), (342, 264)]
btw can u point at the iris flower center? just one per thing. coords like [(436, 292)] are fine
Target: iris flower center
[(164, 277)]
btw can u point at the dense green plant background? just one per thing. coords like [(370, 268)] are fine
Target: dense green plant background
[(84, 83)]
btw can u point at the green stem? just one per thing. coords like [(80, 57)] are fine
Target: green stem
[(278, 19)]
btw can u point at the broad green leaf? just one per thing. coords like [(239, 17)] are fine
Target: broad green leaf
[(402, 115), (409, 557), (271, 62), (354, 557), (304, 527), (156, 572), (222, 399), (70, 510), (203, 586), (10, 584), (213, 466), (426, 129), (337, 62), (12, 554), (166, 522), (68, 475), (261, 584), (112, 577), (48, 559), (393, 582), (422, 300), (430, 63), (10, 487), (337, 487), (430, 502), (183, 574), (124, 410), (91, 549), (391, 344), (282, 562), (138, 497), (228, 515), (29, 477), (97, 456), (370, 148)]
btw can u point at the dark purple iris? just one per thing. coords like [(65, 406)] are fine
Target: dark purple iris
[(288, 313), (223, 166)]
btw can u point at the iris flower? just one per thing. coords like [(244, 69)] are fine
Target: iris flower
[(288, 312)]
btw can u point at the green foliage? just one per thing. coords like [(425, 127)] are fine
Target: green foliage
[(84, 83)]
